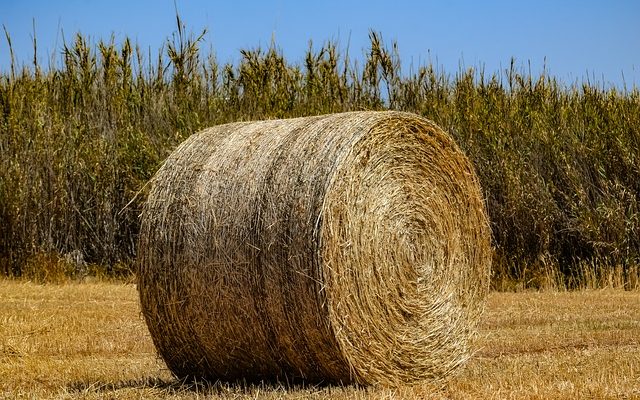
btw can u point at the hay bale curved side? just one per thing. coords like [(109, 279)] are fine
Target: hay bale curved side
[(350, 247)]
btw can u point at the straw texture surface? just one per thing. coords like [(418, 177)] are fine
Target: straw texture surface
[(343, 248)]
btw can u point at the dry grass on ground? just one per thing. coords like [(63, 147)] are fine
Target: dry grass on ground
[(88, 341)]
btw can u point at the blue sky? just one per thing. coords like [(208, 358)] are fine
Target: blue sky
[(578, 39)]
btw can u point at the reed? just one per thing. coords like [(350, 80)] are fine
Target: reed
[(559, 163)]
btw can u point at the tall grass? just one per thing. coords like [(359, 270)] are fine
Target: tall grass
[(559, 164)]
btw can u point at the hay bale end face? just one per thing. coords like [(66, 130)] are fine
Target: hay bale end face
[(345, 248)]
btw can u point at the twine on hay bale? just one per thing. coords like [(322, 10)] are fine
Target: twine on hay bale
[(346, 248)]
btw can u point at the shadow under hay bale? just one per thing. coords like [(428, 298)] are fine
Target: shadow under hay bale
[(349, 248)]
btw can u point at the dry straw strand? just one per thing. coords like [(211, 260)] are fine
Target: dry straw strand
[(343, 248)]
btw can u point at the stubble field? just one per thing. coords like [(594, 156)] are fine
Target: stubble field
[(88, 340)]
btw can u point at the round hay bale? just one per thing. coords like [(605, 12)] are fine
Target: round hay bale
[(346, 248)]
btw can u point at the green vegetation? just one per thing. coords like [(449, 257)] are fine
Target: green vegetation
[(559, 164)]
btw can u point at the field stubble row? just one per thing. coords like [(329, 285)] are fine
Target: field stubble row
[(87, 340)]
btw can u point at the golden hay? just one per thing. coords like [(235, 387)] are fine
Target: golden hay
[(343, 248)]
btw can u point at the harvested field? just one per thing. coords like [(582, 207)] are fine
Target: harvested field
[(89, 341)]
